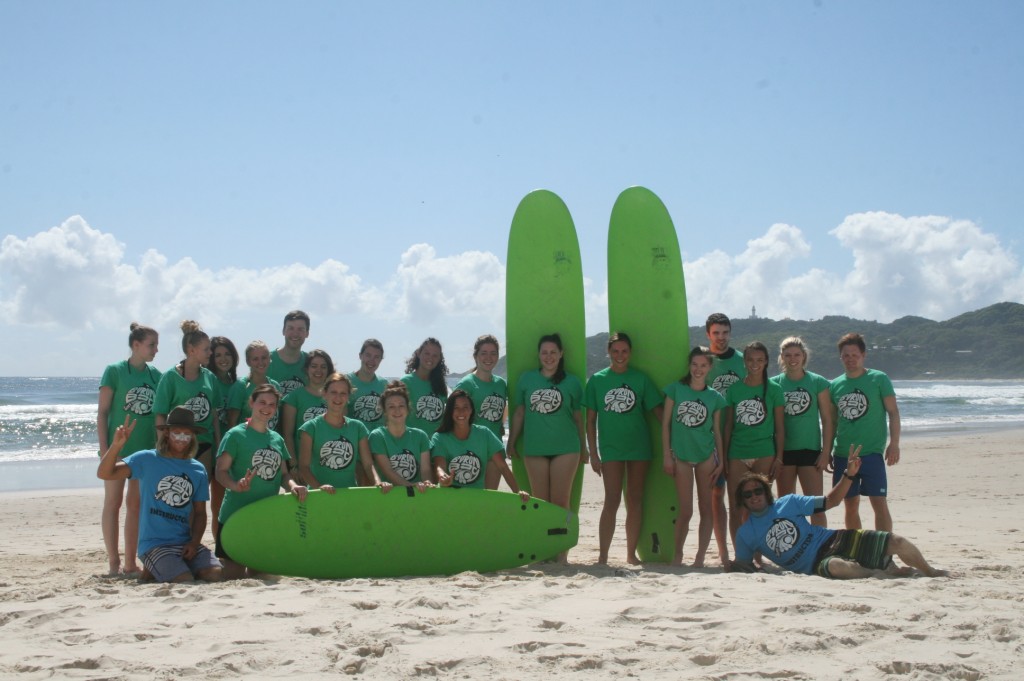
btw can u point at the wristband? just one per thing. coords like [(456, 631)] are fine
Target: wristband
[(851, 478)]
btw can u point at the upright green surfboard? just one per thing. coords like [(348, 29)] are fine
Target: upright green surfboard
[(543, 295), (361, 532), (647, 301)]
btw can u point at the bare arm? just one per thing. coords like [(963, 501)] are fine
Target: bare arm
[(668, 462), (499, 460), (198, 529), (838, 493), (892, 452), (779, 416), (103, 416), (515, 430), (581, 429), (595, 458), (288, 428), (111, 467), (306, 460), (828, 429)]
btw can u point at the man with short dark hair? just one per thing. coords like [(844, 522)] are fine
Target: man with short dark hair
[(288, 362)]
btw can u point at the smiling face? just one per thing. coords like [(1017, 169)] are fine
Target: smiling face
[(852, 359), (264, 406), (336, 395), (753, 497), (462, 411), (549, 355), (619, 354), (295, 333), (223, 360), (258, 360), (793, 358), (486, 357), (179, 440), (317, 371), (719, 336), (755, 361), (396, 409), (370, 359), (430, 357), (700, 365)]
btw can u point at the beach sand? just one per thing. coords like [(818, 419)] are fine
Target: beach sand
[(955, 496)]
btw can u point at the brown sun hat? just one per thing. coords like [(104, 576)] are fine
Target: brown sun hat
[(182, 417)]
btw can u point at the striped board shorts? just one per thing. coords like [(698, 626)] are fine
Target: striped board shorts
[(869, 548)]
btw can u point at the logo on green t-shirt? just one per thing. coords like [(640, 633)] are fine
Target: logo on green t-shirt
[(750, 412), (465, 468), (620, 400), (853, 405), (692, 414), (139, 400), (429, 408), (199, 406), (797, 402), (492, 408), (546, 400), (404, 463), (266, 463), (367, 407), (336, 454)]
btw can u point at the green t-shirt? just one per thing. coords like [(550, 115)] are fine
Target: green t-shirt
[(466, 460), (264, 453), (223, 402), (726, 369), (753, 425), (365, 403), (134, 395), (549, 428), (198, 396), (307, 407), (289, 376), (335, 451), (692, 435), (862, 416), (803, 414), (239, 399), (427, 406), (403, 453), (621, 402), (489, 400)]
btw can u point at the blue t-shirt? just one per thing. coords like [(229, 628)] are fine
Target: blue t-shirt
[(783, 535), (168, 488)]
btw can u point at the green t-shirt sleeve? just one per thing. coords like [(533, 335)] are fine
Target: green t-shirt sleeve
[(164, 394)]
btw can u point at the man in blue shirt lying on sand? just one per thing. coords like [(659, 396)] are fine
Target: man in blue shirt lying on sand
[(779, 530)]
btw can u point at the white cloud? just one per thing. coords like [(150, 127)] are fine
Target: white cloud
[(929, 266), (429, 288)]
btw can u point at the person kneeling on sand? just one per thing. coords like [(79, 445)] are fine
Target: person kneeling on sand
[(779, 530), (174, 488)]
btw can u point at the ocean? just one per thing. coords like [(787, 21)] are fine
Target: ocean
[(48, 425)]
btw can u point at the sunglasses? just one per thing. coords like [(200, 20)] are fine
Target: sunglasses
[(755, 492)]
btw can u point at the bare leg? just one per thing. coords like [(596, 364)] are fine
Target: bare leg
[(636, 476), (851, 505), (786, 482), (611, 476), (538, 470), (704, 493), (133, 501), (210, 574), (840, 568), (684, 492), (113, 493), (912, 556), (883, 519), (492, 477), (562, 472), (720, 521), (811, 485), (216, 499), (736, 470)]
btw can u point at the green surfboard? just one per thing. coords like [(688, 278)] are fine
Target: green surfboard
[(647, 300), (543, 295), (361, 532)]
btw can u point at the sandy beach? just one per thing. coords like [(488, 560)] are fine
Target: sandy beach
[(954, 495)]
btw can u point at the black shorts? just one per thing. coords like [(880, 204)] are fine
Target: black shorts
[(218, 548), (800, 457)]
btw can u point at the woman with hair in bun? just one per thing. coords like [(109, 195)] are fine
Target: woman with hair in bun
[(333, 449), (127, 390), (401, 453), (191, 385), (489, 393), (427, 389)]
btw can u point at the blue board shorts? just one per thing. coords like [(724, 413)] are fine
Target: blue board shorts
[(871, 479)]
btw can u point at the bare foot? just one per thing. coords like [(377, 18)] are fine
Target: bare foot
[(633, 560), (935, 572), (698, 563)]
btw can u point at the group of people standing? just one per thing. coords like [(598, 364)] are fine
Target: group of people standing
[(200, 432)]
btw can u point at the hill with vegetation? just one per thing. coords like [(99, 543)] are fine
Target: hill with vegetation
[(982, 344)]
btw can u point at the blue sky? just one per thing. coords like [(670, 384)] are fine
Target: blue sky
[(230, 161)]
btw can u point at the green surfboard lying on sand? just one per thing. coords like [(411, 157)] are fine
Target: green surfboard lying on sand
[(361, 532), (647, 301), (543, 295)]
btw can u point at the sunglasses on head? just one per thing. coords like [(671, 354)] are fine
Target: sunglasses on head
[(753, 492)]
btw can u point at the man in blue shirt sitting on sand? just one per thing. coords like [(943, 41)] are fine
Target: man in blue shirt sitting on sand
[(780, 531)]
